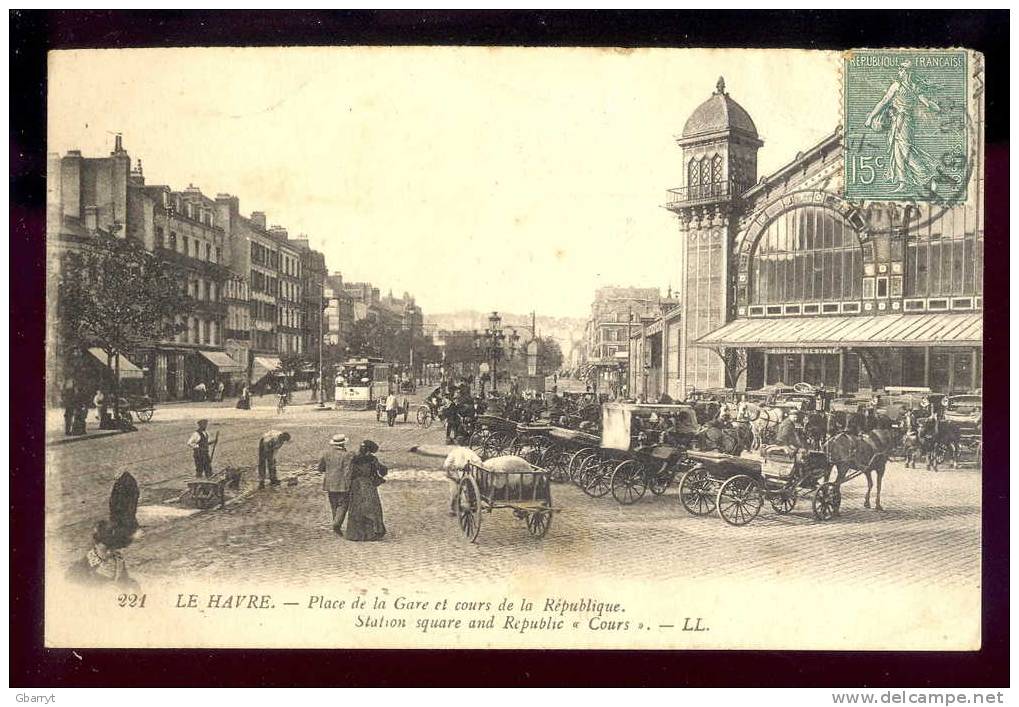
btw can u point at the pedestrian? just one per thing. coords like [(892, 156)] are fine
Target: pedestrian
[(364, 515), (456, 462), (103, 564), (335, 467), (392, 407), (199, 443), (69, 399), (244, 402), (100, 402), (268, 445), (219, 391), (201, 391)]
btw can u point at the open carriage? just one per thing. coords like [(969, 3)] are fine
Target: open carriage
[(737, 487), (642, 447), (527, 493)]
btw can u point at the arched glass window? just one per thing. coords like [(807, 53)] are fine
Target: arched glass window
[(807, 254)]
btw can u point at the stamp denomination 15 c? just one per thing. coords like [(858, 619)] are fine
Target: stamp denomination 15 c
[(906, 123)]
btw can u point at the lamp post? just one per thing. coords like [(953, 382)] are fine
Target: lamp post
[(493, 345)]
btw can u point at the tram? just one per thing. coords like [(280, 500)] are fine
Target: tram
[(361, 382)]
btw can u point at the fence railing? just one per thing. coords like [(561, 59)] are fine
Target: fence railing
[(708, 191)]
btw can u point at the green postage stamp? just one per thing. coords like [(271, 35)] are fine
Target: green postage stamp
[(906, 124)]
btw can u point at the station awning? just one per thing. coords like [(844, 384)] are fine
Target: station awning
[(127, 369), (222, 362), (955, 329)]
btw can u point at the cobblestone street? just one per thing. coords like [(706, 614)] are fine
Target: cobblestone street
[(929, 532)]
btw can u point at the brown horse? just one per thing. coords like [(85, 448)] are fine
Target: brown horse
[(863, 453)]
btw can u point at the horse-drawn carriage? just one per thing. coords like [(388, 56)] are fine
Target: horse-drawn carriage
[(481, 490), (736, 487), (641, 448)]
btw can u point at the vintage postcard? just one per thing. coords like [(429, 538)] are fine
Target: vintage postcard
[(482, 347)]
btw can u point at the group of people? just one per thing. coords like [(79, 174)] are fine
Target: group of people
[(76, 407), (350, 480), (203, 391)]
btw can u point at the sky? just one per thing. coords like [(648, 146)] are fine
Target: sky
[(508, 179)]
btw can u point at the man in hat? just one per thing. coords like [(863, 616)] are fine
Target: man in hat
[(199, 443), (335, 467), (268, 445)]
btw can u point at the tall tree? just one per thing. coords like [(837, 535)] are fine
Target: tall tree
[(550, 355), (115, 295)]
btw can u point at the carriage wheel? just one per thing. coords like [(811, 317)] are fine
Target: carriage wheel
[(627, 482), (516, 445), (660, 481), (423, 416), (576, 461), (739, 500), (594, 476), (477, 441), (468, 508), (827, 501), (696, 492), (551, 461), (495, 445), (784, 502), (538, 523)]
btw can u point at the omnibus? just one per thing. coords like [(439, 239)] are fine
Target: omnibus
[(360, 382)]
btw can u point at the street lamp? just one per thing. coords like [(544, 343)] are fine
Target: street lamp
[(493, 345)]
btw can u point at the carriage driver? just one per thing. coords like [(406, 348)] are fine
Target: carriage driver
[(788, 436)]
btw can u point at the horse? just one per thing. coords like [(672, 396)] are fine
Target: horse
[(867, 452), (763, 421), (936, 436)]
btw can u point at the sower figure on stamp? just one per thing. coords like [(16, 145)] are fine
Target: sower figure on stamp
[(268, 445), (199, 443), (335, 468), (897, 112)]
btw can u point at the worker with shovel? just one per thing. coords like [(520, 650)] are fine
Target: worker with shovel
[(202, 449)]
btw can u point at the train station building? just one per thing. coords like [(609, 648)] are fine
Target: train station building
[(786, 281)]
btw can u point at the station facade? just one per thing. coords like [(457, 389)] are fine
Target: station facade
[(785, 281)]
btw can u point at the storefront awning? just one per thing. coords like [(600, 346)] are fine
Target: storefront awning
[(222, 362), (127, 369), (263, 366), (954, 329)]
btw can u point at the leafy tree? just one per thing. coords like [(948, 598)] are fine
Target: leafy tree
[(115, 295), (291, 364), (550, 355)]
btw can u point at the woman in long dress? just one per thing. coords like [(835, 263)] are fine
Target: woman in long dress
[(364, 515)]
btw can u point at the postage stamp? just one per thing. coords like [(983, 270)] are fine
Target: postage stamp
[(906, 124)]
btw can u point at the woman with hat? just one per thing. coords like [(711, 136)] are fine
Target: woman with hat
[(364, 517)]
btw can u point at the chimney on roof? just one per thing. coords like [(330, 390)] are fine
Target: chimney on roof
[(118, 144), (258, 218), (137, 176)]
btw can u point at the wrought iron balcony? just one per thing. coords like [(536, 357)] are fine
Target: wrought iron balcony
[(707, 192)]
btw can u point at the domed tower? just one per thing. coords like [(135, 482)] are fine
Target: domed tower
[(719, 156)]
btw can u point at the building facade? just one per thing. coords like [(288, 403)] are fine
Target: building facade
[(313, 280), (290, 295), (786, 281)]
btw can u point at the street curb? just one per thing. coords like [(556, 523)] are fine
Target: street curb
[(82, 438)]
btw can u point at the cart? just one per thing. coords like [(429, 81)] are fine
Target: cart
[(141, 405), (736, 487), (482, 490)]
